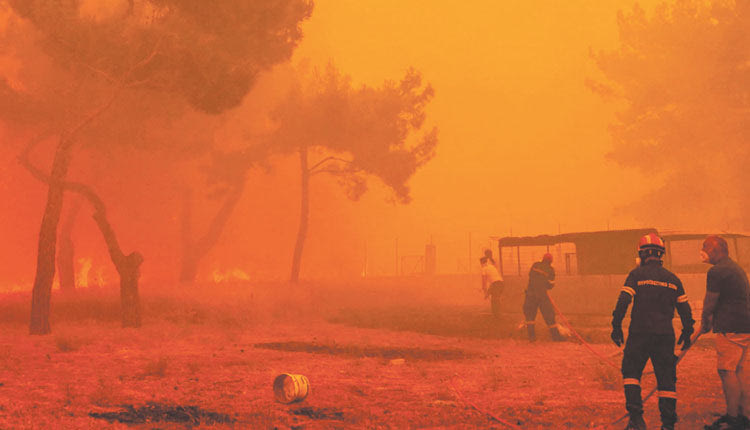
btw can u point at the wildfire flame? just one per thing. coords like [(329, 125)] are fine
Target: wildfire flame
[(88, 276), (229, 275), (82, 279)]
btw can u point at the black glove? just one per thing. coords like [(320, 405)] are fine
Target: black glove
[(617, 337), (685, 338)]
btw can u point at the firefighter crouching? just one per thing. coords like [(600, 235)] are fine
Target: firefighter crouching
[(541, 279), (655, 293)]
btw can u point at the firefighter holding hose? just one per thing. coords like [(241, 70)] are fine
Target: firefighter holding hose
[(656, 293), (541, 279)]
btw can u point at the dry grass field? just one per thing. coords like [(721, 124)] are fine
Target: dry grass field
[(377, 357)]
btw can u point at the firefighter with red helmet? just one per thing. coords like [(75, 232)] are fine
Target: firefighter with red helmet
[(656, 293), (541, 279)]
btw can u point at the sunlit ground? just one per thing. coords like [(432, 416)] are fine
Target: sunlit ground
[(207, 356)]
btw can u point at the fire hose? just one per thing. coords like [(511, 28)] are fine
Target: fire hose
[(578, 336), (487, 413)]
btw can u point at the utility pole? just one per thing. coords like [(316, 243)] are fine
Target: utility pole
[(397, 271), (364, 268), (469, 264)]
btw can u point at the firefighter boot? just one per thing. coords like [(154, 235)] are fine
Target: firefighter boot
[(634, 405), (668, 410), (726, 422), (554, 333), (636, 423), (532, 332)]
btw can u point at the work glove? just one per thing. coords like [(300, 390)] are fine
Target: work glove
[(685, 338), (617, 337)]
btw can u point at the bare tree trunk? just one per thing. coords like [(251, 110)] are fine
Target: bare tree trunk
[(304, 214), (194, 251), (66, 251), (45, 261), (128, 267), (130, 300), (188, 262)]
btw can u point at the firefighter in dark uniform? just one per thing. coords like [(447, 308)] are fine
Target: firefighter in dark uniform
[(655, 293), (541, 279)]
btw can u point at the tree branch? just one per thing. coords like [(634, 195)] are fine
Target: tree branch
[(327, 159), (104, 74), (100, 215), (335, 171), (148, 59)]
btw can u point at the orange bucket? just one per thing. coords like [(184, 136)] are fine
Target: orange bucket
[(290, 388)]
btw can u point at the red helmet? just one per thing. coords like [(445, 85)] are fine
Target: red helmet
[(651, 247), (547, 257), (651, 241)]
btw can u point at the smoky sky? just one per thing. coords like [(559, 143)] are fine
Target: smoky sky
[(523, 148)]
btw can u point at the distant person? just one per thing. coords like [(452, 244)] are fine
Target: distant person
[(725, 309), (492, 283), (488, 254), (655, 293), (541, 279)]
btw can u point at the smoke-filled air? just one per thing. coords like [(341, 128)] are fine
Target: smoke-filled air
[(330, 214)]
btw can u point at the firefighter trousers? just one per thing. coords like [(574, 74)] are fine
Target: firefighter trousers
[(540, 302), (659, 348)]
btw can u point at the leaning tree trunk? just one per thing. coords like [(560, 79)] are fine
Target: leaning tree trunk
[(194, 251), (304, 215), (128, 267), (66, 251), (45, 261)]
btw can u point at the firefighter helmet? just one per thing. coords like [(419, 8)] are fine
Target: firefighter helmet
[(547, 257), (651, 245)]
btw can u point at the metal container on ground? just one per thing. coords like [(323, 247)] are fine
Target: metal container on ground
[(290, 388)]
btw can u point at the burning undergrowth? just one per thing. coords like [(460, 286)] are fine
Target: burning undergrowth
[(155, 412), (358, 351)]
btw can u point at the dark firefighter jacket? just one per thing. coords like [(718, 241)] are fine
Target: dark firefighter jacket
[(655, 293), (541, 278)]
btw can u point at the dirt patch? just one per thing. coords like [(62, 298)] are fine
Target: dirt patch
[(469, 322), (319, 413), (357, 351), (463, 322), (155, 412)]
